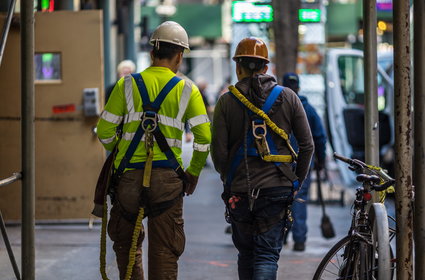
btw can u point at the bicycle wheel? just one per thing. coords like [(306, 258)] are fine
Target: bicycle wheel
[(346, 260), (382, 262)]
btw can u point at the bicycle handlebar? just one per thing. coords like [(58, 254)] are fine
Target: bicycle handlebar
[(355, 164), (384, 186)]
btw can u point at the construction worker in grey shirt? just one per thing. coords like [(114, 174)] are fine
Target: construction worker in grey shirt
[(251, 151)]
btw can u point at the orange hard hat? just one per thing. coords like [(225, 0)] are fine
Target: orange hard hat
[(252, 47)]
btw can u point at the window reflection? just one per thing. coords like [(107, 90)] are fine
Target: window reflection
[(47, 67), (351, 75)]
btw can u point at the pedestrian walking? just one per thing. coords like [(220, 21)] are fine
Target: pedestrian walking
[(152, 107), (299, 210), (251, 151), (124, 68)]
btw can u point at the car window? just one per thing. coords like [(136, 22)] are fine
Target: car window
[(351, 75)]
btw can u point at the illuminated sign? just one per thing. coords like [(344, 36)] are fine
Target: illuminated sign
[(309, 15), (244, 11), (384, 5)]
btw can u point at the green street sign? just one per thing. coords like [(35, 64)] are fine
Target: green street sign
[(309, 15), (244, 11)]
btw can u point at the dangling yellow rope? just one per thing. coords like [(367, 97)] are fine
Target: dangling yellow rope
[(132, 253), (266, 118), (148, 169)]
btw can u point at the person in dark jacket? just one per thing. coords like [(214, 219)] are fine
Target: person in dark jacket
[(257, 192), (299, 210)]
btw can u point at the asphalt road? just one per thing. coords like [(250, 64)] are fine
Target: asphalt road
[(71, 251)]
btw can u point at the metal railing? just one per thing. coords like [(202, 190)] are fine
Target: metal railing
[(16, 176), (6, 28), (4, 182)]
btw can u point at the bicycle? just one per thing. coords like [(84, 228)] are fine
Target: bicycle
[(365, 253)]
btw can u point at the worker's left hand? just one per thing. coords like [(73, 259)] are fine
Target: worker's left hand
[(191, 183)]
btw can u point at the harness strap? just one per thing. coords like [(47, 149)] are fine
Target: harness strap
[(264, 116), (273, 157), (159, 136), (145, 99)]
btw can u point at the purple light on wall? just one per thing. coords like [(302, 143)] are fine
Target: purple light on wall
[(384, 5)]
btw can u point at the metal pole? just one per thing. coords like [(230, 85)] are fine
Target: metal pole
[(9, 248), (6, 28), (419, 155), (105, 5), (403, 140), (28, 155), (371, 121), (130, 44)]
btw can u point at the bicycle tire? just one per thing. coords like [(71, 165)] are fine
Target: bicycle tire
[(334, 258), (381, 240)]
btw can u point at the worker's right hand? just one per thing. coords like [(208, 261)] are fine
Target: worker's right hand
[(191, 183)]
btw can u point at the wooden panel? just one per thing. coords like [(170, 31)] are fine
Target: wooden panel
[(68, 155)]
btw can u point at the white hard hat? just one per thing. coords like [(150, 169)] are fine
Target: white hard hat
[(170, 32)]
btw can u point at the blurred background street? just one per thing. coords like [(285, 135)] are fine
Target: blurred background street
[(59, 61)]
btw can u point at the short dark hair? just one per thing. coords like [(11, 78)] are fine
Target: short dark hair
[(251, 63), (166, 50)]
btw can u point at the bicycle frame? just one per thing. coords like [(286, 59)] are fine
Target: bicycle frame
[(365, 251)]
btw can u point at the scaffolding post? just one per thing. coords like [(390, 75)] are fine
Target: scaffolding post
[(419, 132), (105, 5), (403, 140), (371, 121), (130, 41), (28, 154)]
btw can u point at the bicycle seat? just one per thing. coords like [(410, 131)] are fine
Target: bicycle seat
[(368, 178)]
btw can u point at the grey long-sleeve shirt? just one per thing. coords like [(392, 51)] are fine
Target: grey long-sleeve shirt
[(230, 124)]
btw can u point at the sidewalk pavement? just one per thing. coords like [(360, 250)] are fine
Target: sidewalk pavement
[(71, 251)]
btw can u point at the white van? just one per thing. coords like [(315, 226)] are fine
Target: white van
[(344, 98)]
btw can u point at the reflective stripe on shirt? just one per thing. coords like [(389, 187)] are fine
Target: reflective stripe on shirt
[(136, 116), (171, 142), (201, 147), (107, 140), (112, 118), (184, 100), (198, 120), (128, 89)]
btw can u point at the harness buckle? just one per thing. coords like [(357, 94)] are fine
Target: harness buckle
[(262, 146), (149, 121), (252, 197), (260, 126), (259, 130), (255, 193)]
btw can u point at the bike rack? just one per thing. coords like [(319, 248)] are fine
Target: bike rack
[(4, 182)]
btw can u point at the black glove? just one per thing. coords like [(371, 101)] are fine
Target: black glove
[(191, 183)]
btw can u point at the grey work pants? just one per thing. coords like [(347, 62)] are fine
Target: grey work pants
[(166, 239)]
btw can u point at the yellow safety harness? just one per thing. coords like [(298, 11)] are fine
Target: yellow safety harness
[(271, 124), (133, 248), (149, 128)]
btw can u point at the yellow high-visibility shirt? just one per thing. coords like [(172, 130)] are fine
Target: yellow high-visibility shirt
[(182, 104)]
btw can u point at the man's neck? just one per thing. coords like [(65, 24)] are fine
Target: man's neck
[(165, 63)]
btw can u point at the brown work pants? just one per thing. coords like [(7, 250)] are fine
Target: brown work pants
[(166, 239)]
